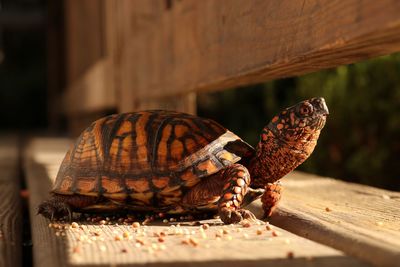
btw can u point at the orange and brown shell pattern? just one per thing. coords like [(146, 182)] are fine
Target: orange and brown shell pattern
[(148, 159)]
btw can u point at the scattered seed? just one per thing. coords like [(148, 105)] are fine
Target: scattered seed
[(185, 242), (328, 209), (102, 222), (117, 238), (76, 249), (161, 239), (193, 241), (259, 232), (126, 234), (225, 231), (386, 196), (246, 224), (124, 250), (140, 241), (268, 227), (146, 221), (205, 226), (165, 221), (136, 225), (96, 232), (275, 233), (290, 255)]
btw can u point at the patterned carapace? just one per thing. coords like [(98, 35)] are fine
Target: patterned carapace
[(173, 162)]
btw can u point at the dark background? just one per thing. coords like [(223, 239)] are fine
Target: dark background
[(360, 143)]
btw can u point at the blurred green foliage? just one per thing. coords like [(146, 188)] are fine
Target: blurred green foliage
[(361, 140)]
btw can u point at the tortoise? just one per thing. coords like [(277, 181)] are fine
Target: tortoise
[(172, 162)]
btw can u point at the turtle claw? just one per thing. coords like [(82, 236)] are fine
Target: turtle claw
[(248, 215), (235, 216), (230, 216)]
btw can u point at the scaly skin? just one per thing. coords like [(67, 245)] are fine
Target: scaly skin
[(286, 142)]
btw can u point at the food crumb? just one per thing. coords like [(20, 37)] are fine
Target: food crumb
[(76, 249), (290, 255), (205, 226), (246, 224), (136, 225), (275, 233)]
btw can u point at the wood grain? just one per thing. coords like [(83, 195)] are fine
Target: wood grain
[(192, 46), (10, 204), (95, 245), (360, 220), (89, 74)]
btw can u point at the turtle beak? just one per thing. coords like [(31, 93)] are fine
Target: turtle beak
[(320, 104)]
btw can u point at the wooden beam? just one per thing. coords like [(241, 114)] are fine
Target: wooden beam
[(93, 244), (89, 75), (10, 204), (92, 92), (129, 52), (191, 46)]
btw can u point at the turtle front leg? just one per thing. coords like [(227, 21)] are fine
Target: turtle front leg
[(237, 183), (271, 197)]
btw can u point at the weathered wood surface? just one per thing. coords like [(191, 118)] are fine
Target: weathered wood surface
[(173, 47), (89, 74), (10, 204), (362, 221), (95, 245)]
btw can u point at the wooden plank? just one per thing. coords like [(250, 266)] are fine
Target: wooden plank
[(124, 53), (89, 75), (362, 221), (10, 204), (92, 92), (194, 45), (184, 103), (92, 244)]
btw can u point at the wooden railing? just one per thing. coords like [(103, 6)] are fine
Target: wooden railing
[(135, 54)]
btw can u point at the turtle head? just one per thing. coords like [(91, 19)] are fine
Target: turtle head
[(300, 123), (288, 140)]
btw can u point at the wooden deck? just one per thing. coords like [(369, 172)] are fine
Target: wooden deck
[(353, 225), (10, 204)]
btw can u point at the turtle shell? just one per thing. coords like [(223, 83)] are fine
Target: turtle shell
[(146, 154)]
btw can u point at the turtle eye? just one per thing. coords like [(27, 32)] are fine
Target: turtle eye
[(306, 109)]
